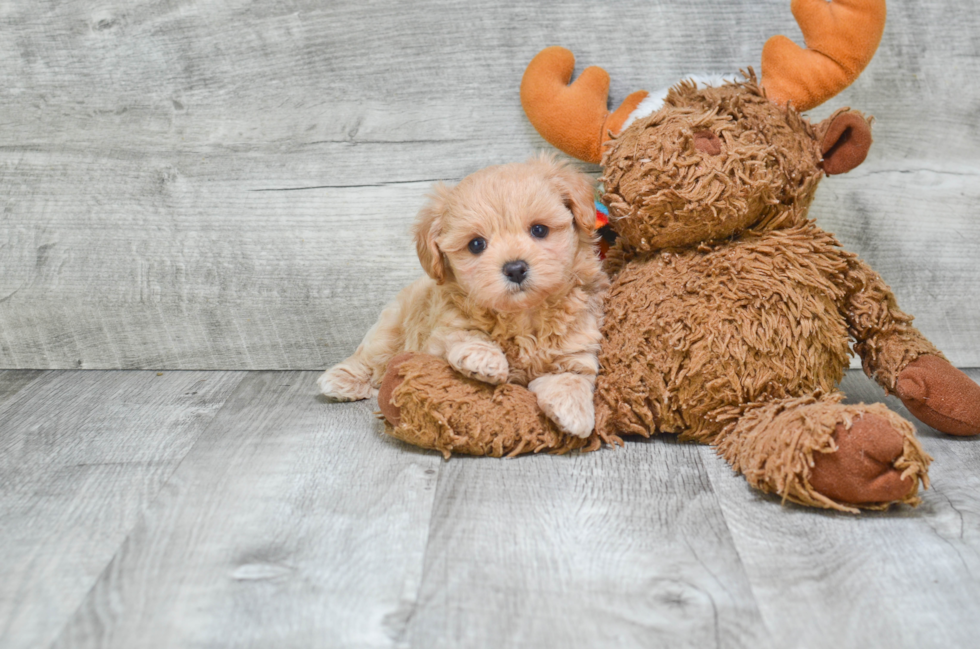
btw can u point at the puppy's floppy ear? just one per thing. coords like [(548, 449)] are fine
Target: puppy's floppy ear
[(576, 190), (428, 226)]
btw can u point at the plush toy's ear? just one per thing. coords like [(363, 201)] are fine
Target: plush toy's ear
[(428, 226), (845, 138)]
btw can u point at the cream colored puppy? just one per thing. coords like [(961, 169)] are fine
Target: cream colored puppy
[(513, 294)]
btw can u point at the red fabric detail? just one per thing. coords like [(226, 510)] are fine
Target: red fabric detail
[(600, 221)]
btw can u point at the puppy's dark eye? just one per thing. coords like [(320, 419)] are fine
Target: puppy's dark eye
[(478, 245), (539, 231)]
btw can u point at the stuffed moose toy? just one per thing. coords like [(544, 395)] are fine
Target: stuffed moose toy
[(730, 313)]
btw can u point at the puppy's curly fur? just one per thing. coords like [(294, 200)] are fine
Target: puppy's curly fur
[(538, 328)]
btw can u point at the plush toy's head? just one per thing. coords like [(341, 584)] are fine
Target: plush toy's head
[(709, 162), (713, 161)]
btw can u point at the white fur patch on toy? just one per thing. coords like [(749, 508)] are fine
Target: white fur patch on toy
[(655, 100)]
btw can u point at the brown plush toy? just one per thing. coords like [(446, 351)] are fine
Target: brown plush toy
[(730, 312)]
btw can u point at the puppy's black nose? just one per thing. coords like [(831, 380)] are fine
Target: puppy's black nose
[(516, 271)]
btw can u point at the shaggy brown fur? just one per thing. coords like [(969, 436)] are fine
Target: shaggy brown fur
[(441, 410), (884, 337), (665, 193), (730, 312), (774, 445), (761, 315), (728, 297), (703, 350)]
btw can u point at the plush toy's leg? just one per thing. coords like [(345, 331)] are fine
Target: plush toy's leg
[(815, 451), (428, 404), (903, 361)]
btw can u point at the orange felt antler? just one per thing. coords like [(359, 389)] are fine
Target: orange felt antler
[(574, 117), (841, 37)]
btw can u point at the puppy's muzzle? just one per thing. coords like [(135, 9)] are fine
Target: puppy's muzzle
[(516, 271)]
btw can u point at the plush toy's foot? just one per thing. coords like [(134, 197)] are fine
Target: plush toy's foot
[(863, 468), (940, 395), (815, 451), (428, 404)]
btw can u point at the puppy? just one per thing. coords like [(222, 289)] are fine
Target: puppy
[(513, 294)]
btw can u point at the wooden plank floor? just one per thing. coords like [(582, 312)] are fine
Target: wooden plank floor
[(145, 509)]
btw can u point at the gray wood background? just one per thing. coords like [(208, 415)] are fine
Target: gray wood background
[(197, 184)]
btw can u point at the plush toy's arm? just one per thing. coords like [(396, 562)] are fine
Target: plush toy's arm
[(903, 361), (884, 335)]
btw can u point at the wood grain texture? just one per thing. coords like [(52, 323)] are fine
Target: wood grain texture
[(136, 514), (292, 523), (81, 454), (204, 184), (902, 578), (624, 548), (226, 271), (12, 381)]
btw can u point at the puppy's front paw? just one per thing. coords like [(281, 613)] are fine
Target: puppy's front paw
[(344, 383), (480, 360), (567, 400)]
